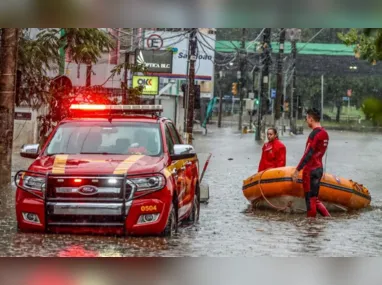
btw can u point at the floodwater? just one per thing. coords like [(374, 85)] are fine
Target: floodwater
[(227, 227)]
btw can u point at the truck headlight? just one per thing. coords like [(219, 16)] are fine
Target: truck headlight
[(34, 183), (150, 183)]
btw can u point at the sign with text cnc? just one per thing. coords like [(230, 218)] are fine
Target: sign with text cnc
[(150, 84)]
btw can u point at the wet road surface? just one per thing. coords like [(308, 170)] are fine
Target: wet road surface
[(227, 227)]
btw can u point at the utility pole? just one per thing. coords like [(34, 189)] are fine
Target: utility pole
[(264, 63), (8, 56), (293, 87), (221, 74), (191, 84), (322, 97), (124, 98), (62, 55), (242, 62), (279, 87)]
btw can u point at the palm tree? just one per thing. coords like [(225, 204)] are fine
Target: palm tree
[(8, 59), (35, 59), (84, 45)]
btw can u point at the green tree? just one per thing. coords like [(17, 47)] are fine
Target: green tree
[(39, 55), (367, 43), (84, 45)]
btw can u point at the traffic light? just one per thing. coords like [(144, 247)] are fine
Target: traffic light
[(234, 88), (286, 106)]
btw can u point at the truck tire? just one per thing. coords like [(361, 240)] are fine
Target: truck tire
[(172, 224), (195, 212)]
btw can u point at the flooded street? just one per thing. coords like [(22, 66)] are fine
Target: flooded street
[(227, 227)]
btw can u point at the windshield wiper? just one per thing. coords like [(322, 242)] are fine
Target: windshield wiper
[(103, 153)]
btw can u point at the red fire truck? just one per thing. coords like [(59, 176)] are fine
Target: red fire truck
[(119, 169)]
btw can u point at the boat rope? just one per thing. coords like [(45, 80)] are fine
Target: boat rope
[(326, 158), (262, 194)]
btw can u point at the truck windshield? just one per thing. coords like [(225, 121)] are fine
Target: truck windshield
[(106, 138)]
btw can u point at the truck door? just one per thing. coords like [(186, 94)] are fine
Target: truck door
[(178, 171), (189, 167)]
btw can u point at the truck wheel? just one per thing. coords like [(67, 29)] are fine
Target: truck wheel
[(194, 216), (172, 224)]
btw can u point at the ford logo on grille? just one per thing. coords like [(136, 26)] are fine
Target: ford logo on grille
[(87, 190)]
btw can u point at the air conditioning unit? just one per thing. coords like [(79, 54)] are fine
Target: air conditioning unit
[(249, 104)]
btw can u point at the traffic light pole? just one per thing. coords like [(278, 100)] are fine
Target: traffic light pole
[(241, 106)]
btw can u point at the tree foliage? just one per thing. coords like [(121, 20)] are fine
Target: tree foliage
[(367, 46), (84, 45), (367, 43), (38, 57), (372, 108), (35, 59)]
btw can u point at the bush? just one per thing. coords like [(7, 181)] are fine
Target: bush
[(372, 108)]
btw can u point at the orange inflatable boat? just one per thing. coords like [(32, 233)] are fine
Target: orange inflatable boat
[(274, 188)]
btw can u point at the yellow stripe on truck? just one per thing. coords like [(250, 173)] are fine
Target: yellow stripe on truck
[(59, 164), (179, 163), (125, 165), (167, 173)]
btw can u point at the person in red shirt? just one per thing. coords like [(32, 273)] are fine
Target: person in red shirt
[(311, 164), (274, 152)]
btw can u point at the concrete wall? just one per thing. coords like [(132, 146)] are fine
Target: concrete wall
[(173, 110), (25, 131)]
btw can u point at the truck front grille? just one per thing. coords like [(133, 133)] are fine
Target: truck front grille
[(87, 201)]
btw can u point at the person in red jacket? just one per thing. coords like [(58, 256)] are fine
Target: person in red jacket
[(311, 164), (274, 152)]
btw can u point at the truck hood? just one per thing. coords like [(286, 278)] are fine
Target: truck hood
[(98, 164)]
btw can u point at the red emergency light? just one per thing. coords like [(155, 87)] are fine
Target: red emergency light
[(87, 107), (117, 109)]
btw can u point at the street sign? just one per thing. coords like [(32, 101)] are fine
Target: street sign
[(345, 98), (155, 60), (149, 83), (273, 93), (154, 42), (23, 116)]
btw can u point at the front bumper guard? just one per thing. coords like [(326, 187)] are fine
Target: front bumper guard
[(93, 207)]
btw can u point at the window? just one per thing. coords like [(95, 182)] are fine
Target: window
[(174, 133), (106, 138), (169, 141)]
